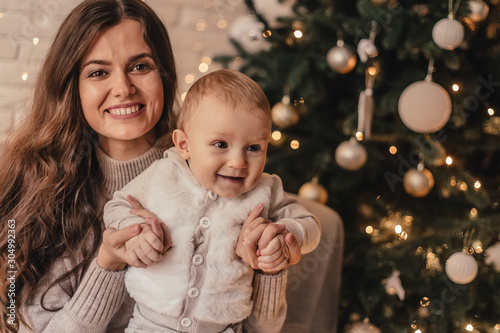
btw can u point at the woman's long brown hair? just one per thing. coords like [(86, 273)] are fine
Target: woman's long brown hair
[(50, 179)]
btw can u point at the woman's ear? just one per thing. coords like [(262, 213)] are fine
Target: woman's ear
[(180, 140)]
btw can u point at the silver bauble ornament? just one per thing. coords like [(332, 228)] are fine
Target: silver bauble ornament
[(364, 327), (341, 59), (492, 256), (478, 10), (461, 268), (283, 114), (424, 106), (313, 191), (418, 182), (351, 155), (247, 31), (448, 33)]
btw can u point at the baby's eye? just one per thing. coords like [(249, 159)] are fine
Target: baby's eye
[(221, 144), (253, 148)]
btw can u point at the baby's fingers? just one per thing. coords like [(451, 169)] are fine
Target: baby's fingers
[(275, 266), (148, 255), (155, 241), (274, 246)]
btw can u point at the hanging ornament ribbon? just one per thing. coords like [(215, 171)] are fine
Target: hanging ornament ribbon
[(366, 105), (366, 47)]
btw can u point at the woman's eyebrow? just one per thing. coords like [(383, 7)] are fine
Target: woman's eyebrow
[(107, 63)]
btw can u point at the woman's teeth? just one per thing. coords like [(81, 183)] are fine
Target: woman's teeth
[(124, 111)]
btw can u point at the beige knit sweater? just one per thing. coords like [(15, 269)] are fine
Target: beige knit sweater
[(100, 302)]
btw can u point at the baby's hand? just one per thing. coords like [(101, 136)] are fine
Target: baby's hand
[(146, 248), (274, 257)]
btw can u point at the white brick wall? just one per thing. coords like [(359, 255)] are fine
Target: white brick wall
[(23, 20)]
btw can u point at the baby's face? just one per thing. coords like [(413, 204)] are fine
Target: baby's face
[(227, 146)]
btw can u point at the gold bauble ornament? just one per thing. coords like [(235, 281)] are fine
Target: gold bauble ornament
[(340, 58), (418, 181), (478, 10), (461, 268), (351, 155), (379, 2), (313, 191), (283, 114)]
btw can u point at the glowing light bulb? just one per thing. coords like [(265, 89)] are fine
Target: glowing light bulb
[(477, 185), (298, 34), (267, 34), (449, 160), (469, 328), (222, 24), (200, 25), (491, 111), (24, 76), (473, 213), (35, 41), (359, 136), (203, 67), (294, 144), (418, 331), (455, 87), (372, 70), (369, 229), (189, 78), (276, 135), (393, 150), (398, 229)]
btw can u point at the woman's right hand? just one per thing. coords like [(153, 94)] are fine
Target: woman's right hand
[(112, 254)]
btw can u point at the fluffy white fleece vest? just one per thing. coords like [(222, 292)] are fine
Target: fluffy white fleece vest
[(224, 281)]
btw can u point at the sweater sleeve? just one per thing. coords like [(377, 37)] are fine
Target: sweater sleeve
[(117, 211), (298, 220), (269, 309), (95, 301)]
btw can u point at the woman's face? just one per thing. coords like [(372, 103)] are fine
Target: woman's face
[(121, 90)]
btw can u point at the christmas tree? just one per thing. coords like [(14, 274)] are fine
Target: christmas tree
[(389, 112)]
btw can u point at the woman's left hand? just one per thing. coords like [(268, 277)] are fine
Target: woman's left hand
[(256, 233)]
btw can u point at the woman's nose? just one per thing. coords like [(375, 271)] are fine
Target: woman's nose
[(123, 86)]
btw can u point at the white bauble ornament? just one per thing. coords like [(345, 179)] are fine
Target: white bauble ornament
[(418, 182), (313, 191), (424, 106), (340, 58), (351, 155), (283, 114), (461, 268), (364, 327), (448, 33), (273, 9), (247, 31), (492, 256), (478, 10)]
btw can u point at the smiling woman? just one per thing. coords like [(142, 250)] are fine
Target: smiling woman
[(102, 112), (121, 91)]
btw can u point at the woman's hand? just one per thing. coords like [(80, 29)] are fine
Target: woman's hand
[(256, 233), (112, 254)]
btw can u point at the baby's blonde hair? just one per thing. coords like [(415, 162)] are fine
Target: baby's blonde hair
[(227, 86)]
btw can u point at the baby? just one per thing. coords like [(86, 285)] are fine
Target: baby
[(203, 190)]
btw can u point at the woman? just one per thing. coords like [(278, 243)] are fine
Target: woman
[(101, 111)]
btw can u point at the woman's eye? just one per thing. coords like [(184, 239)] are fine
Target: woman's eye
[(141, 68), (253, 148), (221, 144), (97, 73)]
